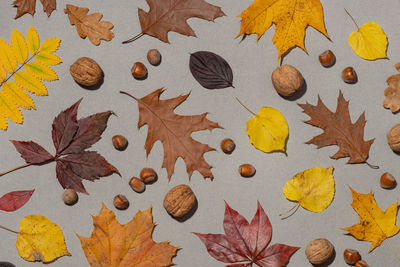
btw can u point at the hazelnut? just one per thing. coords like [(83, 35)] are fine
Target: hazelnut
[(137, 185), (154, 57), (139, 71), (247, 170), (351, 256), (86, 71), (148, 175), (119, 142), (349, 75), (287, 80), (319, 251), (227, 146), (70, 197), (327, 59), (361, 263), (393, 138), (387, 181), (121, 202), (179, 201)]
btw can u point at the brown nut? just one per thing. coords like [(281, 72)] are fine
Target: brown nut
[(361, 263), (349, 75), (86, 71), (154, 57), (287, 80), (70, 197), (319, 251), (148, 175), (247, 170), (139, 71), (227, 146), (387, 181), (327, 59), (119, 142), (351, 256), (393, 138), (179, 201), (137, 185), (121, 202)]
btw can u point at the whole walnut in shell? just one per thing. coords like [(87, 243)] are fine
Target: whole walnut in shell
[(179, 201), (319, 251), (393, 138), (287, 80), (86, 71)]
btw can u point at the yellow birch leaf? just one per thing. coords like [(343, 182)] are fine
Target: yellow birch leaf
[(7, 56), (375, 225), (50, 45), (268, 130), (47, 58), (9, 109), (18, 95), (313, 189), (39, 239), (30, 83), (3, 73), (369, 41), (32, 39), (19, 46), (41, 71)]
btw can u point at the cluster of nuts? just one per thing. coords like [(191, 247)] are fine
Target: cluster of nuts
[(353, 257), (139, 70), (147, 176), (328, 59)]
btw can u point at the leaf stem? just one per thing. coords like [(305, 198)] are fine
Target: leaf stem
[(395, 253), (8, 229), (128, 94), (16, 168), (133, 38), (15, 71), (352, 18), (372, 166), (291, 209), (241, 103)]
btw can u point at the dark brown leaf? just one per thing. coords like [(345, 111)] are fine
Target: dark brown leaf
[(6, 264), (15, 200), (29, 6), (32, 152), (49, 6)]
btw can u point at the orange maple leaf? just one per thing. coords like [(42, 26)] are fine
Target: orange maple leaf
[(116, 245)]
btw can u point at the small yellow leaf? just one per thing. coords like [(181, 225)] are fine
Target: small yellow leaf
[(41, 71), (7, 56), (369, 41), (32, 39), (313, 189), (30, 83), (268, 130), (47, 58), (3, 73), (50, 45), (19, 46), (39, 239), (9, 109), (18, 95)]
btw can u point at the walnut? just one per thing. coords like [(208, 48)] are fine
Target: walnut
[(393, 138), (287, 80), (319, 251), (86, 71), (179, 201)]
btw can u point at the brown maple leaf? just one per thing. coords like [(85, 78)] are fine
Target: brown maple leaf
[(174, 131), (392, 93), (89, 25), (171, 15), (339, 130), (29, 6)]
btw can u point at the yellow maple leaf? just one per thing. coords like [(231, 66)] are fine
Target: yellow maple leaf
[(39, 239), (291, 18), (375, 225), (13, 57), (113, 244), (313, 189)]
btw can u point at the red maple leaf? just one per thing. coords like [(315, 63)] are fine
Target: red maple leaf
[(246, 243)]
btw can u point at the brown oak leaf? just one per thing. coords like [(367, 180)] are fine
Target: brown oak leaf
[(392, 93), (89, 25), (339, 130), (171, 15), (174, 131), (29, 6)]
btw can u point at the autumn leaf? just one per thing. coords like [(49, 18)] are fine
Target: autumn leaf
[(246, 243), (91, 25), (29, 6), (392, 93), (70, 138), (171, 15), (339, 130), (113, 244), (375, 225), (15, 200), (291, 18), (12, 94), (174, 131)]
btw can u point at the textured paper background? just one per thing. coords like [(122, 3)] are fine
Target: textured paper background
[(252, 63)]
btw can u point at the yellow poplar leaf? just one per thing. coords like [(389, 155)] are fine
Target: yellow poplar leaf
[(3, 122), (18, 95), (3, 73), (41, 71), (313, 189), (375, 225), (47, 58), (19, 46), (369, 41), (39, 239), (32, 39), (30, 83), (7, 56), (9, 109), (268, 130), (50, 45)]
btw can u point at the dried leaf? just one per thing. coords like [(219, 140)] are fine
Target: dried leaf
[(392, 93), (174, 131), (339, 130), (129, 245), (15, 200), (246, 243), (91, 25), (6, 264), (29, 6), (210, 70)]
